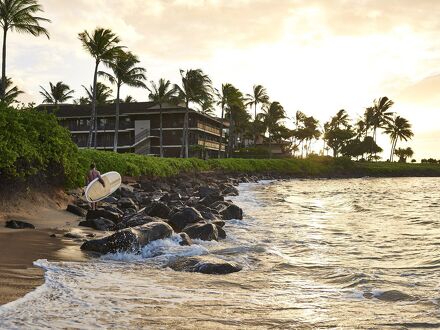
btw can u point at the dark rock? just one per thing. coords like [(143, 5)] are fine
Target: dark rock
[(126, 202), (100, 213), (208, 190), (158, 209), (221, 232), (126, 191), (229, 190), (76, 210), (203, 231), (209, 216), (73, 235), (139, 220), (112, 208), (98, 224), (232, 212), (130, 239), (17, 224), (205, 265), (211, 199), (52, 235), (130, 211), (219, 223), (186, 240), (82, 204), (182, 218)]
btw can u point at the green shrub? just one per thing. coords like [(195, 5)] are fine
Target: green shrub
[(32, 142)]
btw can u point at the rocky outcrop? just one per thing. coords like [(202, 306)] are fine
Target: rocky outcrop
[(181, 218), (98, 224), (205, 265), (17, 224), (232, 211), (101, 213), (158, 209), (203, 231), (79, 211), (130, 239)]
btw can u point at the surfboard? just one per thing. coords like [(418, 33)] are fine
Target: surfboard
[(95, 191)]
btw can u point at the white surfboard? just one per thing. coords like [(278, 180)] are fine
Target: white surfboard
[(95, 191)]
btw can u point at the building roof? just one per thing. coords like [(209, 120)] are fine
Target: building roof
[(84, 110)]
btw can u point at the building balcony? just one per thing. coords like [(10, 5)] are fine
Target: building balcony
[(211, 144), (110, 127), (209, 129)]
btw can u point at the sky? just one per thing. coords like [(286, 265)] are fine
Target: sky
[(317, 56)]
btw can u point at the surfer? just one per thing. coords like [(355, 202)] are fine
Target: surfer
[(92, 174)]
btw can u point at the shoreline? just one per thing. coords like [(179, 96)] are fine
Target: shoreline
[(18, 275)]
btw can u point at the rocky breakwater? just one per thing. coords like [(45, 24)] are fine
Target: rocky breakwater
[(147, 210)]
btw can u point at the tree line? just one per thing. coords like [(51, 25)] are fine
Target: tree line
[(251, 117)]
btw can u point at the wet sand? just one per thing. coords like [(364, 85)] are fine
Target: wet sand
[(21, 247)]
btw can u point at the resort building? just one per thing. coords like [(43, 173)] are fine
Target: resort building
[(139, 127)]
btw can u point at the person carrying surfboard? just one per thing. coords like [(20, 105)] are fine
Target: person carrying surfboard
[(92, 174)]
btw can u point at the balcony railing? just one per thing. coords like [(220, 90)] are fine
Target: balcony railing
[(211, 144), (209, 129), (101, 127)]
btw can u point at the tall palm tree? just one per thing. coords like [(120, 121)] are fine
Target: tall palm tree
[(19, 15), (161, 93), (58, 93), (225, 97), (12, 92), (259, 96), (398, 129), (102, 45), (196, 87), (381, 115), (271, 115), (102, 96), (207, 109), (124, 72)]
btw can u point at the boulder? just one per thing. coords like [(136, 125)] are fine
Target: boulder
[(211, 199), (130, 239), (139, 220), (158, 209), (126, 191), (208, 190), (126, 203), (205, 265), (182, 218), (100, 213), (232, 211), (110, 199), (98, 224), (112, 208), (79, 211), (229, 190), (186, 240), (219, 223), (17, 224), (203, 231), (221, 232)]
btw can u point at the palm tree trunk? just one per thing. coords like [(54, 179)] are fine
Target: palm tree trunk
[(204, 140), (115, 141), (255, 127), (393, 148), (93, 124), (184, 149), (3, 87), (270, 145), (221, 132), (161, 130)]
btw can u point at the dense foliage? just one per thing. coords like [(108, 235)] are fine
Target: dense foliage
[(32, 142)]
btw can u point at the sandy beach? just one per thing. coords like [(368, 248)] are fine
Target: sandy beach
[(21, 247)]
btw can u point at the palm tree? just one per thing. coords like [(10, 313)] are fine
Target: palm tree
[(380, 116), (398, 129), (125, 71), (207, 109), (161, 93), (196, 87), (258, 96), (129, 99), (404, 154), (272, 114), (19, 15), (12, 92), (102, 44), (102, 96), (226, 97), (58, 93)]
